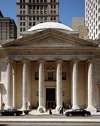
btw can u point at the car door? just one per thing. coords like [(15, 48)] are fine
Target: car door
[(77, 112), (74, 112)]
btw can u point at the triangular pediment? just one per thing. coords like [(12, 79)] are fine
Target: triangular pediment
[(50, 41), (49, 38)]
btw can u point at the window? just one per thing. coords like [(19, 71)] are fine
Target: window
[(50, 75), (37, 18), (20, 23), (20, 6), (33, 23), (20, 29), (23, 29), (36, 76), (33, 18), (99, 18), (20, 18), (30, 23), (29, 18), (98, 2), (63, 75), (23, 23), (99, 27), (23, 6), (23, 12)]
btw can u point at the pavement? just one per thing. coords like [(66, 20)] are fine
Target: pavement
[(35, 117)]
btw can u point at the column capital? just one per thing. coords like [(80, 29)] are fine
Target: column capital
[(25, 60), (9, 60), (41, 60), (59, 60), (75, 60), (90, 60)]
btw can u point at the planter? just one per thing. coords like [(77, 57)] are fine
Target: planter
[(41, 110), (26, 112)]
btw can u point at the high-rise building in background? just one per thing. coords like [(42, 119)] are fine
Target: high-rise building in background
[(32, 12), (8, 29), (78, 24), (92, 18)]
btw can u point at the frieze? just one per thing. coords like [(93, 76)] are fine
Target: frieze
[(48, 57)]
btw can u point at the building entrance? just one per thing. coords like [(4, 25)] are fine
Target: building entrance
[(50, 98)]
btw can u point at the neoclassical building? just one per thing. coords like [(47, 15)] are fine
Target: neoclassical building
[(50, 67)]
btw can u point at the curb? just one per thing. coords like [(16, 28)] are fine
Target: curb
[(46, 120)]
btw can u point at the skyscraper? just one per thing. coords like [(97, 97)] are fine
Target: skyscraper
[(32, 12), (78, 24), (8, 29), (92, 18)]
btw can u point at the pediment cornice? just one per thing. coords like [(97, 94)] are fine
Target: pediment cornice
[(49, 38)]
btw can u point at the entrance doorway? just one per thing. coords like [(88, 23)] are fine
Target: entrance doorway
[(50, 98)]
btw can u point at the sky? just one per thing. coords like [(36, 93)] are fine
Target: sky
[(67, 10)]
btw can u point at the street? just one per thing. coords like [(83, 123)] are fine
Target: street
[(50, 117), (52, 124)]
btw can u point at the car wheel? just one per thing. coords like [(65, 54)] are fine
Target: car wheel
[(15, 114), (85, 114), (70, 114)]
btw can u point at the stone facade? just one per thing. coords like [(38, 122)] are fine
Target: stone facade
[(50, 69)]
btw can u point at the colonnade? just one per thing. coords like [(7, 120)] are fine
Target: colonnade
[(41, 100)]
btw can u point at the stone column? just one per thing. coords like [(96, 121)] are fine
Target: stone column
[(90, 85), (41, 107), (59, 85), (14, 86), (75, 84), (9, 84), (28, 85), (24, 86)]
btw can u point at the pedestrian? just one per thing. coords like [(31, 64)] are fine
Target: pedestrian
[(50, 112), (61, 110)]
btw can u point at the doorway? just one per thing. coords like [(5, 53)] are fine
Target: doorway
[(50, 98)]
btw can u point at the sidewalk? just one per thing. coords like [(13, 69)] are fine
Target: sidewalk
[(49, 120), (35, 117), (46, 118)]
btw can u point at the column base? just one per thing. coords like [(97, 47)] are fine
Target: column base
[(23, 108), (58, 109), (92, 109), (41, 109), (8, 107), (75, 107)]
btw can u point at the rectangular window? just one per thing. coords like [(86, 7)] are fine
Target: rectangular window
[(20, 6), (63, 75), (30, 23), (50, 75), (20, 29), (23, 29), (23, 23), (36, 76), (33, 23)]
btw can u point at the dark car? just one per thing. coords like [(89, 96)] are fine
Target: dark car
[(11, 112), (78, 112)]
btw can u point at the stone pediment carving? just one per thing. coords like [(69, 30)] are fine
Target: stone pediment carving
[(51, 42)]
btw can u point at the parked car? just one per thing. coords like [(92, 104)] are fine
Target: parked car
[(11, 112), (78, 112)]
